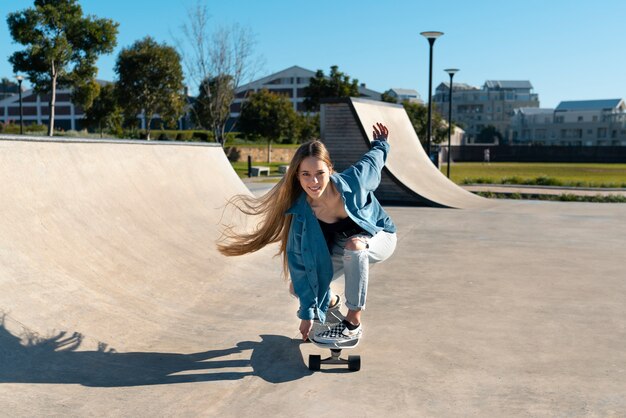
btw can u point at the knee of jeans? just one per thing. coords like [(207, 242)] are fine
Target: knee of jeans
[(356, 244)]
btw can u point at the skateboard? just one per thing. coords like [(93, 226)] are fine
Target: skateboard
[(353, 362), (316, 361)]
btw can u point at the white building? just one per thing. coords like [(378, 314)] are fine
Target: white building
[(578, 123), (401, 95), (290, 82), (493, 104)]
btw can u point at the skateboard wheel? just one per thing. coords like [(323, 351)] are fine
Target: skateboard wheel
[(354, 363), (315, 362)]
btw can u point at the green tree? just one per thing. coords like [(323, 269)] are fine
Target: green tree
[(387, 97), (337, 84), (150, 80), (8, 88), (211, 110), (305, 128), (62, 47), (267, 115), (105, 113), (418, 114)]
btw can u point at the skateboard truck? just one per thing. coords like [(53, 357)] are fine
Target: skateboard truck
[(353, 362), (316, 361)]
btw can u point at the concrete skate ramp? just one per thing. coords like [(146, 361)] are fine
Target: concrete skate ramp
[(109, 274), (409, 176), (113, 240), (114, 302)]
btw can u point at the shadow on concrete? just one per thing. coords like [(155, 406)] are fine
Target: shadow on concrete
[(55, 360)]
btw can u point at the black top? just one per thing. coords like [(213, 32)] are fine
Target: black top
[(345, 227)]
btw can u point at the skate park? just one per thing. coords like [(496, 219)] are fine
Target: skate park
[(115, 302)]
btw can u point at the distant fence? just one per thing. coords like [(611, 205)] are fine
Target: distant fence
[(551, 154)]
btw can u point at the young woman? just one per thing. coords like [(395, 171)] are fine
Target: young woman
[(328, 224)]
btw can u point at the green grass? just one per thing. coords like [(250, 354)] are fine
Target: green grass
[(241, 168), (546, 174)]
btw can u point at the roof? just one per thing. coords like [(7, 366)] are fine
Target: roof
[(293, 71), (605, 104), (296, 71), (455, 86), (534, 110), (508, 84), (405, 92)]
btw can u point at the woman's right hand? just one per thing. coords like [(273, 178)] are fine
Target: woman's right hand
[(381, 133), (305, 328)]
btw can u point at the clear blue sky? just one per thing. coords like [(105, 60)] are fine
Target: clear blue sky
[(568, 49)]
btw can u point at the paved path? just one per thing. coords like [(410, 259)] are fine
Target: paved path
[(544, 190)]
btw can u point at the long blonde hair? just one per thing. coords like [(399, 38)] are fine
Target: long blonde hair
[(275, 223)]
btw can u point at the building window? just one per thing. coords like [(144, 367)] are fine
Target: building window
[(580, 119), (540, 133), (594, 119), (558, 119), (601, 132)]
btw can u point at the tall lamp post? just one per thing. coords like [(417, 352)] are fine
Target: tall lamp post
[(19, 87), (451, 72), (431, 36)]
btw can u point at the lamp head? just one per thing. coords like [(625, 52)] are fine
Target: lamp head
[(431, 35), (451, 71), (19, 78)]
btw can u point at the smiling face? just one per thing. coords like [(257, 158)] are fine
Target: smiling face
[(314, 176)]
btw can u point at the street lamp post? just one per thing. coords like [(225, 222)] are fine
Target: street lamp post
[(19, 87), (451, 72), (431, 36)]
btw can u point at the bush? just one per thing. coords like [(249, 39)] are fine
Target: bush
[(200, 135), (183, 136), (546, 181)]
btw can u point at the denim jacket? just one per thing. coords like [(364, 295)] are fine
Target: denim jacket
[(309, 260)]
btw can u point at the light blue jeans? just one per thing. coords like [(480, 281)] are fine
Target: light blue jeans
[(354, 265)]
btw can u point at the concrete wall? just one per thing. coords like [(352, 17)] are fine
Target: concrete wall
[(259, 154)]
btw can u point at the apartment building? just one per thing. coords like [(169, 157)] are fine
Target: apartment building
[(493, 104), (575, 123), (35, 110), (290, 82)]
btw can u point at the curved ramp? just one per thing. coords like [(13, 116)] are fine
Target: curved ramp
[(409, 175), (115, 233)]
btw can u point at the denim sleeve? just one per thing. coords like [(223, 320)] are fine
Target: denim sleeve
[(301, 286), (367, 169)]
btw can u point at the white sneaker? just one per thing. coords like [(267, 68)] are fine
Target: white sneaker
[(340, 333)]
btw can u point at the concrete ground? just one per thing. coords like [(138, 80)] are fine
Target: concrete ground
[(513, 311)]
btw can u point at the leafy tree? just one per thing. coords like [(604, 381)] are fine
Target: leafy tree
[(387, 97), (105, 113), (267, 115), (62, 47), (488, 135), (305, 128), (418, 114), (224, 56), (150, 80), (8, 88), (212, 107), (337, 84)]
